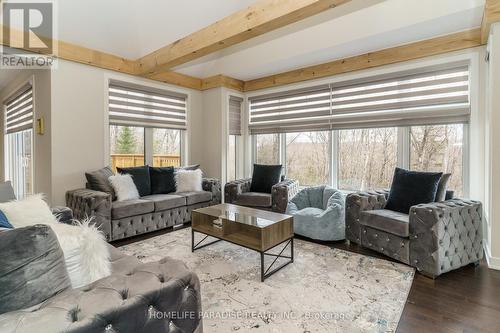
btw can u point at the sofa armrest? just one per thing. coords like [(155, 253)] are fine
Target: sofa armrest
[(161, 296), (234, 188), (212, 185), (63, 214), (355, 204), (445, 235), (283, 192), (87, 203)]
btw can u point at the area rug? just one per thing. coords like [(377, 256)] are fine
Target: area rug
[(324, 290)]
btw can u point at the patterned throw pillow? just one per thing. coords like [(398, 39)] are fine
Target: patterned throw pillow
[(4, 221)]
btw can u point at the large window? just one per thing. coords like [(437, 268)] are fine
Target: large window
[(367, 158), (307, 157), (146, 125), (364, 159), (19, 162), (352, 134), (439, 148), (18, 129), (166, 147), (234, 137), (232, 158), (126, 146), (267, 149)]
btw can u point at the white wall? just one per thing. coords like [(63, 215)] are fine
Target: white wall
[(492, 151), (211, 136), (80, 134), (41, 80)]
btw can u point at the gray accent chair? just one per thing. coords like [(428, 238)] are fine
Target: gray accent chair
[(435, 238), (237, 192), (156, 297), (318, 213), (123, 219)]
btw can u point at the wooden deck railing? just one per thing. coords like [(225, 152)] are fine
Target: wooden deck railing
[(131, 160)]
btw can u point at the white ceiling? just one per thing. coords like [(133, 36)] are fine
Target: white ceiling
[(133, 28), (338, 33)]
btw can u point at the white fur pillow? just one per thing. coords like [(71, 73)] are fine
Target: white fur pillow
[(188, 180), (28, 211), (124, 187), (86, 252)]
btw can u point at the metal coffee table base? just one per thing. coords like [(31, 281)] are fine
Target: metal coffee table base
[(264, 272)]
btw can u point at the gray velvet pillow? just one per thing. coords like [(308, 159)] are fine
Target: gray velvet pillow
[(6, 192), (98, 181), (32, 267), (442, 186)]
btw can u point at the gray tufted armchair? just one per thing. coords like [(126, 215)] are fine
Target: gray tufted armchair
[(434, 238), (238, 192)]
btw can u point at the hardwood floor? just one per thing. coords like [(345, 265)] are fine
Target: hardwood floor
[(465, 300)]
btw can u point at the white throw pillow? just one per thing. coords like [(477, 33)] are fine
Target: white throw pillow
[(28, 211), (86, 252), (188, 180), (124, 187)]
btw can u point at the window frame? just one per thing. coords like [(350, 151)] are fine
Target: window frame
[(403, 154), (148, 151), (149, 143), (237, 162)]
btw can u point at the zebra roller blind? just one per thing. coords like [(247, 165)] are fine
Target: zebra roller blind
[(19, 110), (235, 115), (146, 107), (432, 96)]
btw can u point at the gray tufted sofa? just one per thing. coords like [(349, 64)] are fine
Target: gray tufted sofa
[(124, 219), (135, 298), (434, 238), (237, 192)]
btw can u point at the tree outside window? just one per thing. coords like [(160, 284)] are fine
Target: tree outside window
[(268, 149), (367, 158), (307, 157), (126, 146), (438, 148)]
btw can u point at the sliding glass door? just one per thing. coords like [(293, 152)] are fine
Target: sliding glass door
[(18, 140), (19, 162)]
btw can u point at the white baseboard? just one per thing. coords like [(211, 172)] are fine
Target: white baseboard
[(493, 262)]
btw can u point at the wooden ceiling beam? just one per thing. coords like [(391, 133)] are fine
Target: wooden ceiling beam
[(83, 55), (76, 53), (217, 81), (178, 79), (260, 18), (425, 48), (434, 46), (491, 15)]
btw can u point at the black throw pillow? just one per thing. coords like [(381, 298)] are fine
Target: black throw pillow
[(410, 188), (162, 180), (140, 176), (265, 177)]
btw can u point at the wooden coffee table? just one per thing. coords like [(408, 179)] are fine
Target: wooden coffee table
[(247, 227)]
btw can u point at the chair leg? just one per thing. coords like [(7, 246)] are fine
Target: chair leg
[(428, 275)]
